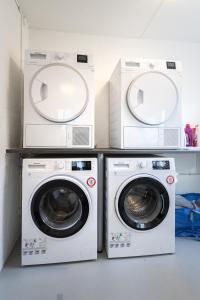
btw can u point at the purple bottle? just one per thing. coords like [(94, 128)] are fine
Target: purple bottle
[(188, 135)]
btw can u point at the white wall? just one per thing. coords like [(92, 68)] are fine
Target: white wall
[(107, 51), (10, 94)]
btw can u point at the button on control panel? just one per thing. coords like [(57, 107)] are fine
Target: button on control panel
[(59, 165), (141, 164), (59, 56)]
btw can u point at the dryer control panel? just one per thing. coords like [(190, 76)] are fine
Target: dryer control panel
[(149, 65), (35, 57)]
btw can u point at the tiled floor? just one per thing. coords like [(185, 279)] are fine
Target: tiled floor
[(166, 277)]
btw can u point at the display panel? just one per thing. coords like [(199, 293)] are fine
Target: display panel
[(82, 58), (161, 165), (171, 65), (81, 165)]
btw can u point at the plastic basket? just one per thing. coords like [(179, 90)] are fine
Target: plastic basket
[(187, 219)]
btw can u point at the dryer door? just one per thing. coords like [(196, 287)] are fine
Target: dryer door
[(59, 93), (152, 98), (60, 208), (143, 203)]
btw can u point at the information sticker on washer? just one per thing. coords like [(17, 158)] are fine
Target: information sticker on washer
[(91, 181), (120, 239), (34, 246)]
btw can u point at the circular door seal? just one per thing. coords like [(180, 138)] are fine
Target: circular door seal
[(59, 208), (143, 204), (59, 93)]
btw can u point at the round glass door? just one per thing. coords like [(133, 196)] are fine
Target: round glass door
[(152, 98), (59, 93), (143, 203), (60, 208)]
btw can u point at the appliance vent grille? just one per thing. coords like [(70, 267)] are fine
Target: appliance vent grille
[(80, 136), (171, 137)]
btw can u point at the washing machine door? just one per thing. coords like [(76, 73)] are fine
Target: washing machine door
[(59, 93), (143, 203), (152, 98), (60, 208)]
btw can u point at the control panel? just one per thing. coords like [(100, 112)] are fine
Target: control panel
[(73, 165), (121, 166), (60, 165), (152, 65), (48, 57)]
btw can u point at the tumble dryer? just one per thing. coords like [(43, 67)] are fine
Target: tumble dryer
[(140, 206), (145, 104), (58, 100), (59, 210)]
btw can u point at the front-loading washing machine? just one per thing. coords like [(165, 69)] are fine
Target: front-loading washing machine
[(140, 206), (59, 210), (145, 104), (59, 100)]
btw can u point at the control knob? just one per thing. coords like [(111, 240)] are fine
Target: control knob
[(141, 164), (60, 165), (59, 56), (151, 66)]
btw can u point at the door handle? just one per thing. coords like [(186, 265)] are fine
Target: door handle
[(43, 91), (140, 97)]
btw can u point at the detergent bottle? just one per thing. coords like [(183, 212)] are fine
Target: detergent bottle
[(194, 137), (197, 135), (188, 135)]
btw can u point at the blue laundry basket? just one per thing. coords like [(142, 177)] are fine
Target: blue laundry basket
[(187, 219)]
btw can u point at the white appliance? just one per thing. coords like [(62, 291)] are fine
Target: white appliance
[(145, 104), (140, 206), (59, 210), (58, 100)]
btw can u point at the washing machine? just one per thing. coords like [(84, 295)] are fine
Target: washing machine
[(59, 210), (140, 206), (145, 104), (58, 100)]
